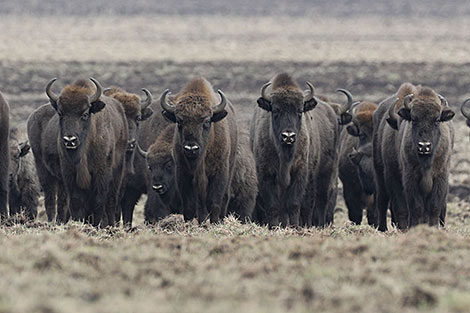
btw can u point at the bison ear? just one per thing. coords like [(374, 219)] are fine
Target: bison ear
[(310, 104), (219, 116), (264, 104), (392, 122), (24, 148), (169, 116), (353, 130), (345, 118), (146, 113), (405, 114), (97, 106), (447, 115)]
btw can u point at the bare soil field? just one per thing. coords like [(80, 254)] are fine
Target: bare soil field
[(231, 267)]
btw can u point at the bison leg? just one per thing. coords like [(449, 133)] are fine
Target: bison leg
[(49, 187), (63, 214), (352, 196), (372, 217), (269, 193), (128, 203), (294, 196), (437, 204)]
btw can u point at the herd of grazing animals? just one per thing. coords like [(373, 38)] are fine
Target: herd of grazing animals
[(96, 151)]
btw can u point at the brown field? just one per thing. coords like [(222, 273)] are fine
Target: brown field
[(183, 267)]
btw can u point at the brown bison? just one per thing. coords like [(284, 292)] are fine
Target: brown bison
[(465, 109), (4, 155), (24, 185), (294, 141), (90, 139), (164, 197), (412, 151), (356, 165), (204, 148), (137, 111)]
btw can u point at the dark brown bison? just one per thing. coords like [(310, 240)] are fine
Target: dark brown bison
[(4, 155), (23, 181), (465, 109), (137, 111), (412, 151), (88, 135), (204, 148), (294, 141), (356, 165), (164, 197)]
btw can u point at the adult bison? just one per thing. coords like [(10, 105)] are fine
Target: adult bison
[(87, 133), (465, 109), (294, 141), (204, 148), (164, 196), (4, 155), (137, 111), (356, 165), (412, 151)]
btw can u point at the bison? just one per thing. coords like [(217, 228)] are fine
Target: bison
[(23, 181), (4, 155), (294, 141), (356, 165), (204, 148), (87, 134), (412, 145), (137, 111)]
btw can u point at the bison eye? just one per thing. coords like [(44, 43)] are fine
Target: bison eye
[(138, 118), (85, 116), (149, 167), (206, 125)]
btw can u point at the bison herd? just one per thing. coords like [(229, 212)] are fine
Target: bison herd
[(96, 151)]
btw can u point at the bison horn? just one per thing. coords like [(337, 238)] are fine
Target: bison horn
[(465, 109), (223, 102), (311, 92), (98, 92), (355, 105), (407, 101), (145, 103), (263, 92), (165, 106), (349, 104), (52, 96), (444, 102), (141, 151)]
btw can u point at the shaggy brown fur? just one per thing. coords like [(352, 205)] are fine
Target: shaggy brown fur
[(4, 155)]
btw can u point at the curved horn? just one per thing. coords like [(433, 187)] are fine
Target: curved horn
[(465, 109), (444, 102), (98, 92), (223, 102), (165, 106), (354, 106), (263, 92), (346, 107), (141, 151), (392, 115), (52, 96), (145, 103), (407, 101), (106, 90), (311, 92)]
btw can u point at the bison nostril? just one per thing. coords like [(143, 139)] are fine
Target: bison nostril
[(424, 147), (70, 142), (288, 137), (159, 188), (191, 148)]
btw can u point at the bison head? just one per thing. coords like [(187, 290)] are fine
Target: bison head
[(361, 126), (362, 159), (75, 107), (194, 119), (425, 115), (287, 108), (466, 110)]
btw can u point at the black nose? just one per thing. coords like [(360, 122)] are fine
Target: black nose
[(131, 145), (191, 150), (159, 188), (424, 147), (70, 142), (288, 137)]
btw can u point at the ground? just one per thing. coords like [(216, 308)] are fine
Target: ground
[(181, 267)]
